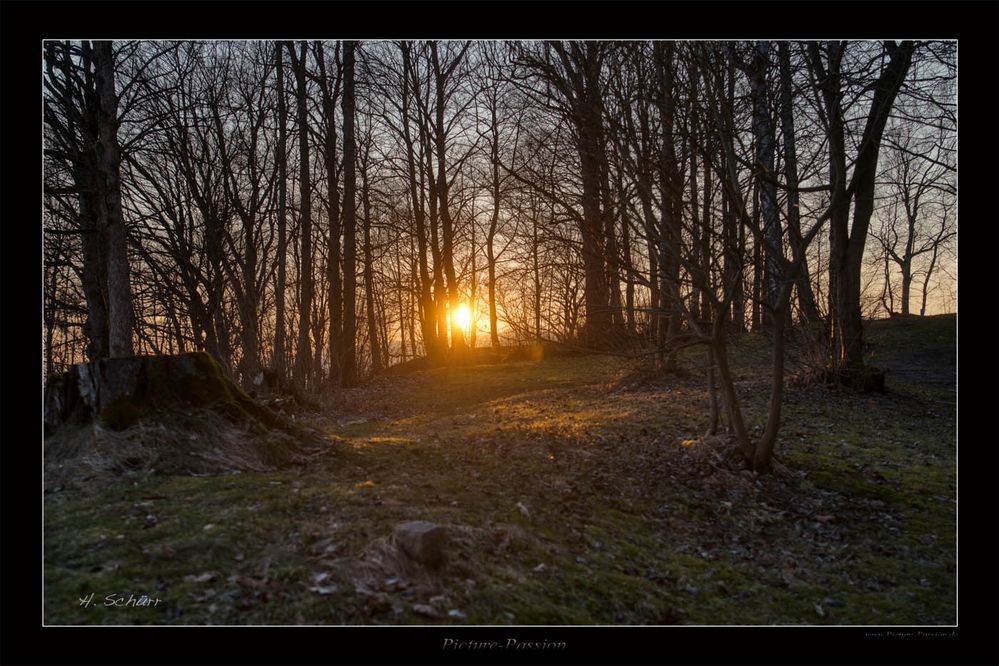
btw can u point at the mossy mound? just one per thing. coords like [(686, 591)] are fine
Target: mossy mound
[(172, 414)]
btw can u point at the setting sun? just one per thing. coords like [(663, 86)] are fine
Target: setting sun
[(463, 317)]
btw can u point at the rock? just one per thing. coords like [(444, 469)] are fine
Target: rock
[(456, 614), (428, 611), (422, 541)]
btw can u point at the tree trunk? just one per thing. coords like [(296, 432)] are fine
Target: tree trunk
[(806, 298), (629, 272), (303, 356), (906, 284), (670, 186), (706, 233), (847, 251), (120, 314), (493, 223), (349, 376), (282, 223), (612, 260), (473, 286), (591, 157), (536, 274), (427, 309), (444, 207), (94, 279), (719, 348), (369, 273), (736, 242), (763, 130), (763, 455), (759, 267), (334, 302)]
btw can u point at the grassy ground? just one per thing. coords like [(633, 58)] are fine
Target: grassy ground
[(573, 494)]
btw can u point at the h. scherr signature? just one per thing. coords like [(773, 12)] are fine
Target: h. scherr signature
[(121, 601)]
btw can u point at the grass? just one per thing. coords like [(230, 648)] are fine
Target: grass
[(568, 498)]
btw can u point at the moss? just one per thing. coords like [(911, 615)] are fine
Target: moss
[(158, 376), (120, 413), (481, 437), (276, 450), (208, 385)]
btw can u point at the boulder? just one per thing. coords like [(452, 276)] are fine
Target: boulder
[(422, 541)]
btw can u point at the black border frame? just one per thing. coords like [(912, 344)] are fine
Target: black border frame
[(25, 24)]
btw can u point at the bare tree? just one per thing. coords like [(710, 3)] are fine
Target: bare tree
[(914, 221), (848, 241), (303, 356), (349, 363)]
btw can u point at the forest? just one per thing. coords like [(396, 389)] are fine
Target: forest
[(500, 332)]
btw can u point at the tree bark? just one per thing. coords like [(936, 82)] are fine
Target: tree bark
[(765, 177), (444, 206), (369, 273), (806, 298), (303, 356), (94, 279), (588, 124), (493, 223), (119, 292), (349, 365), (427, 309), (847, 242), (282, 222), (334, 301)]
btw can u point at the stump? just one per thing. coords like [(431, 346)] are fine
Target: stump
[(172, 414), (118, 391)]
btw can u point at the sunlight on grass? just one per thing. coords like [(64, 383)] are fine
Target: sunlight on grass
[(570, 500)]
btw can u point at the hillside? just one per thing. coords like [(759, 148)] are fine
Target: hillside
[(570, 492)]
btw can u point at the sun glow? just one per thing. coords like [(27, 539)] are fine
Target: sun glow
[(463, 316)]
